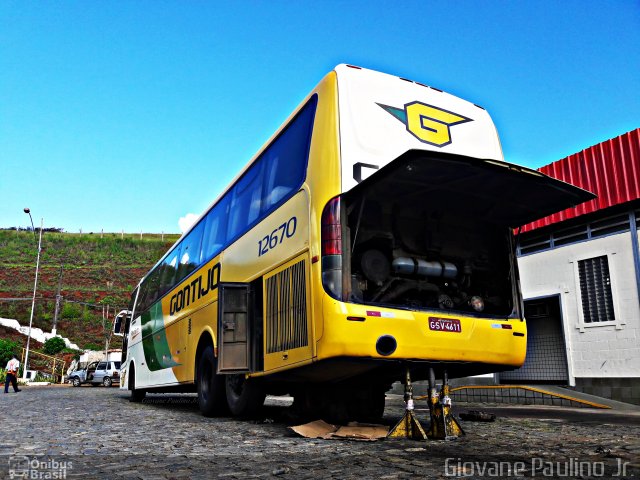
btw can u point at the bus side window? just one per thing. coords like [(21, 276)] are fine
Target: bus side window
[(286, 158), (154, 287), (169, 270), (190, 252), (245, 201), (215, 230), (132, 301)]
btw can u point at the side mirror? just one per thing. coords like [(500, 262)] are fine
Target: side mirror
[(120, 322)]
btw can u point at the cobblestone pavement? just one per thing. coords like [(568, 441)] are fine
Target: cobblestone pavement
[(97, 433)]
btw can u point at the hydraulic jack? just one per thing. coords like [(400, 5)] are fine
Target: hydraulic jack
[(444, 426), (408, 426)]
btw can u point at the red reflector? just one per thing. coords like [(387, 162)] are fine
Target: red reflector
[(356, 319), (315, 259), (506, 326)]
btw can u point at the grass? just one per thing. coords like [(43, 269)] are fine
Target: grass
[(98, 269)]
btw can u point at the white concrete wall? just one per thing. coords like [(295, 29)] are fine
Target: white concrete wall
[(610, 349), (36, 333)]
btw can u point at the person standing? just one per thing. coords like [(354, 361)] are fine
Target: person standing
[(12, 375)]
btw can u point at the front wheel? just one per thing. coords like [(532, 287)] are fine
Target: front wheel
[(245, 396), (137, 395), (211, 398), (106, 381), (76, 382)]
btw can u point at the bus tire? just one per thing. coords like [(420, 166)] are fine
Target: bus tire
[(245, 396), (137, 395), (211, 396), (369, 404)]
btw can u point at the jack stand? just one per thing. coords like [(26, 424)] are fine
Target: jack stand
[(444, 426), (408, 426)]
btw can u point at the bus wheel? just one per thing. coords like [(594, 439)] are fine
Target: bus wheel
[(137, 395), (211, 398), (245, 396), (367, 403)]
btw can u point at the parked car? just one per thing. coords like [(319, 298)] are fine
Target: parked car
[(97, 373)]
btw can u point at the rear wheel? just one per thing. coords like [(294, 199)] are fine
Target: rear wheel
[(245, 396), (137, 395), (106, 381), (340, 403), (211, 392), (366, 403)]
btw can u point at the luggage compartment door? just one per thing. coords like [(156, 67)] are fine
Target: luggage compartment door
[(234, 342)]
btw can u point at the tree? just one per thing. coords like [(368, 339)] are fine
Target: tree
[(8, 348), (53, 345)]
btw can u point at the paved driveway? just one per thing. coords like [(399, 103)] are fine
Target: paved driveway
[(97, 433)]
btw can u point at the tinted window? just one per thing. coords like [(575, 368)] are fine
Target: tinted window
[(133, 299), (190, 252), (116, 365), (273, 178), (286, 159), (101, 366), (215, 229), (150, 289), (245, 201), (169, 269)]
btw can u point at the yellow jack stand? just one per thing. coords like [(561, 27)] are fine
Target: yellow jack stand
[(444, 426), (408, 426)]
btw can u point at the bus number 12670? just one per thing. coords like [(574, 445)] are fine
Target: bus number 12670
[(269, 242)]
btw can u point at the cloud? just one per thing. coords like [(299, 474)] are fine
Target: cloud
[(185, 222)]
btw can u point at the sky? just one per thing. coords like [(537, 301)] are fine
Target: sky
[(134, 115)]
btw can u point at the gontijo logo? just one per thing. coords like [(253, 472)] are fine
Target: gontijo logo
[(427, 123)]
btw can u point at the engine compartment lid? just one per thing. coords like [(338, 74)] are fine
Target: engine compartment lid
[(496, 191)]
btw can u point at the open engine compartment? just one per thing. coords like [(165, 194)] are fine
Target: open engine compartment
[(434, 231), (412, 250)]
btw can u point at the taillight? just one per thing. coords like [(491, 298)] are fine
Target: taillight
[(331, 228), (331, 248)]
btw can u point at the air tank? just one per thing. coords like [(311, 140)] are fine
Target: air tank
[(424, 268)]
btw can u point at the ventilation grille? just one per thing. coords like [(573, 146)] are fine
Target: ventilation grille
[(595, 287), (286, 309)]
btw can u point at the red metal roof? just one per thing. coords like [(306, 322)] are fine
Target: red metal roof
[(610, 169)]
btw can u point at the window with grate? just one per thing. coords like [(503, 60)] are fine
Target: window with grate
[(595, 287)]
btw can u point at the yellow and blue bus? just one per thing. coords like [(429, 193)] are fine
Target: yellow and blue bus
[(373, 233)]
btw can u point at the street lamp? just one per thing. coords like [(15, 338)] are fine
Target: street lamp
[(35, 285)]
